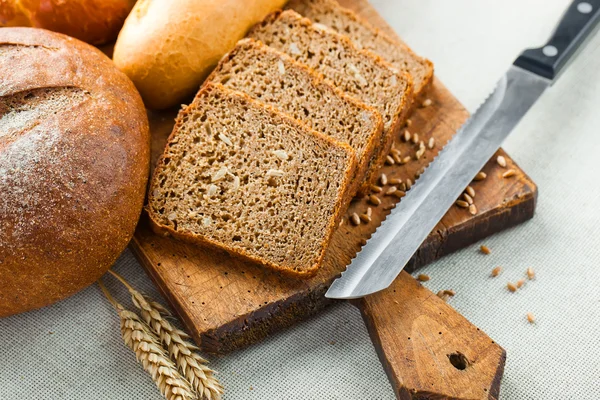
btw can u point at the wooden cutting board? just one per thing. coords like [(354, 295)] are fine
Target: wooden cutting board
[(228, 304)]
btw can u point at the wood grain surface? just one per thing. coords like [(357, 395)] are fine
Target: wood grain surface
[(227, 303), (428, 350)]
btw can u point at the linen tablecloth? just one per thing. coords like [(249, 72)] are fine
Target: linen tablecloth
[(73, 349)]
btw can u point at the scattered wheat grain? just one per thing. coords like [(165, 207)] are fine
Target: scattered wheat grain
[(462, 204), (501, 161), (509, 173), (470, 191), (374, 200), (383, 180), (530, 273), (480, 176)]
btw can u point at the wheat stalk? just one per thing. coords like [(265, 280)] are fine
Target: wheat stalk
[(150, 353), (182, 351)]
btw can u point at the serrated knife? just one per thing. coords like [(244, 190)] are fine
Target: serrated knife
[(401, 234)]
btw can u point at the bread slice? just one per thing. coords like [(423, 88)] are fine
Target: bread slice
[(242, 177), (365, 36), (274, 78), (359, 73)]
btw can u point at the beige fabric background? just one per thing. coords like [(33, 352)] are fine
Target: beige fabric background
[(73, 351)]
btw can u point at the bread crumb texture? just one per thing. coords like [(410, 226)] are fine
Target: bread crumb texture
[(244, 178)]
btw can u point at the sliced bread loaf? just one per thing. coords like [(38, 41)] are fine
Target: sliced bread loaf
[(240, 176), (365, 36), (359, 73), (272, 77)]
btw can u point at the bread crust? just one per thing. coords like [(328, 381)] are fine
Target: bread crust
[(168, 47), (371, 151), (333, 6), (73, 180), (93, 21), (341, 203)]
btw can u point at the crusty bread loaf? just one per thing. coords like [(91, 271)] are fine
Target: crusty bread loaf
[(366, 36), (74, 160), (240, 176), (168, 47), (358, 73), (93, 21), (274, 78)]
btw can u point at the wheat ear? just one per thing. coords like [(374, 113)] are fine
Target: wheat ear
[(182, 351), (150, 353)]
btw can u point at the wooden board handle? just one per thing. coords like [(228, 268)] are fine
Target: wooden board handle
[(428, 349)]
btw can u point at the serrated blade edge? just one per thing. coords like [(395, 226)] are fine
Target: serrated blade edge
[(401, 234)]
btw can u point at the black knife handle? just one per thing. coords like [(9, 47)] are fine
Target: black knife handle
[(577, 23)]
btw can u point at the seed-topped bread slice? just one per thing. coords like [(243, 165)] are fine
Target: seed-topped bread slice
[(365, 36), (272, 77), (240, 176), (359, 73)]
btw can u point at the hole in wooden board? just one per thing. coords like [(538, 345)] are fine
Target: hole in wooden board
[(458, 360)]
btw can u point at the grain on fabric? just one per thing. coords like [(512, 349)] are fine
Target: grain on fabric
[(520, 283), (530, 273), (484, 249), (530, 318), (496, 271), (511, 287), (423, 277)]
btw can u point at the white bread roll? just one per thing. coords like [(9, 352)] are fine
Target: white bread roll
[(168, 47)]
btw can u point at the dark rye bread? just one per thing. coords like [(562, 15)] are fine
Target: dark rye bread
[(365, 36), (272, 77), (240, 176), (359, 73)]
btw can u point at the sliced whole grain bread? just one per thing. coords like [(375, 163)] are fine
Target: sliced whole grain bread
[(365, 36), (272, 77), (359, 73), (240, 176)]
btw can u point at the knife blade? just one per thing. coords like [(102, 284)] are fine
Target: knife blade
[(401, 234)]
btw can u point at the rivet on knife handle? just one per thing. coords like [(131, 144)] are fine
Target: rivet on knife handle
[(577, 23)]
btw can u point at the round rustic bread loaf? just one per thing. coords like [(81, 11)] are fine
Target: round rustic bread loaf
[(93, 21), (74, 161)]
